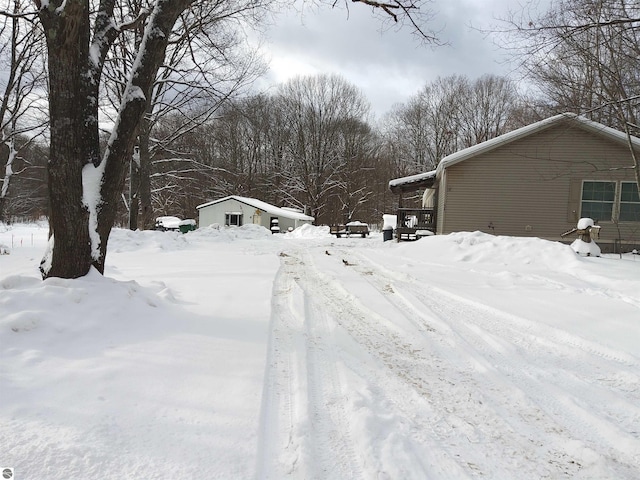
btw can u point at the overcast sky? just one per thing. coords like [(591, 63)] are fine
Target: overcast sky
[(387, 64)]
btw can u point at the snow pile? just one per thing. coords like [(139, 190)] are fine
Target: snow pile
[(123, 240), (483, 248), (83, 380), (585, 223), (109, 379), (218, 233), (169, 222), (309, 231), (91, 314), (590, 249)]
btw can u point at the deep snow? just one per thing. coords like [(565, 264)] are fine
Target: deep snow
[(237, 354)]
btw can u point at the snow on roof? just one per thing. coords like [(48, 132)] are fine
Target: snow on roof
[(396, 182), (264, 206), (168, 221), (509, 137)]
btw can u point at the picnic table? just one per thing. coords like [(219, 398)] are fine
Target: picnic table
[(351, 228)]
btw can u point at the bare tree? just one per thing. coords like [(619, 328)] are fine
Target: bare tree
[(315, 108), (584, 55), (28, 198), (357, 175), (485, 109), (84, 185), (413, 13), (424, 130), (20, 122), (448, 114), (205, 64)]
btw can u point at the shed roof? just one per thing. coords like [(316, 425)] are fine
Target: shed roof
[(264, 206)]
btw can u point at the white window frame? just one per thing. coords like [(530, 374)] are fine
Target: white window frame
[(614, 203), (620, 202), (229, 216), (617, 200)]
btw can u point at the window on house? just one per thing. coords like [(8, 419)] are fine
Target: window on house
[(629, 202), (233, 219), (597, 200)]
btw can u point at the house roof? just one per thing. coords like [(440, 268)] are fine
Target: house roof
[(576, 120), (423, 179), (413, 181), (264, 206)]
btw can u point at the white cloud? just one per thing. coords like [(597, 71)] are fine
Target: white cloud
[(387, 63)]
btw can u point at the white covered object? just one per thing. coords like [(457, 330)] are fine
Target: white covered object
[(389, 222), (587, 249), (428, 198), (585, 223)]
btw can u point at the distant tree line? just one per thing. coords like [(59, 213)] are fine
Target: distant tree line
[(311, 145)]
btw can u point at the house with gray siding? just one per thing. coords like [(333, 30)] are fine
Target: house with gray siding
[(237, 211), (537, 181)]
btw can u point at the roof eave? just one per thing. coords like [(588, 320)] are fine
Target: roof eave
[(413, 182)]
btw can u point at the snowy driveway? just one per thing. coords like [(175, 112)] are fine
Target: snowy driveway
[(375, 373), (237, 354)]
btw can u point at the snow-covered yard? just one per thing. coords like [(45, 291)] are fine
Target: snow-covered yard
[(237, 354)]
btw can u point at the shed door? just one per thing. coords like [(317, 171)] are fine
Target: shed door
[(256, 217)]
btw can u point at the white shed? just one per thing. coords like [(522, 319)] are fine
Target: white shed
[(235, 210)]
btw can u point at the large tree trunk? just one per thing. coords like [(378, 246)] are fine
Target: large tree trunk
[(72, 140)]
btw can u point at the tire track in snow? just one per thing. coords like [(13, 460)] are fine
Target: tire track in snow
[(555, 385), (451, 409), (279, 443), (534, 336), (331, 432), (422, 455), (612, 431), (304, 428), (438, 401), (620, 372), (298, 446)]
